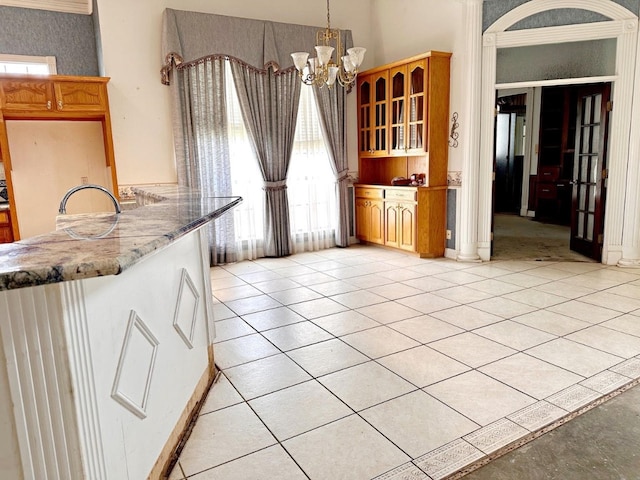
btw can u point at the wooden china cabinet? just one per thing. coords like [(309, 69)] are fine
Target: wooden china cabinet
[(403, 114)]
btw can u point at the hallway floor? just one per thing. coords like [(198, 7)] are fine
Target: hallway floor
[(365, 363)]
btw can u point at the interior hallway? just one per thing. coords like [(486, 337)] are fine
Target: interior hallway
[(523, 238), (364, 363)]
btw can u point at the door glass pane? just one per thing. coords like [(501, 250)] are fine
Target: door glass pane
[(381, 90), (415, 141), (592, 199), (595, 139), (594, 169), (597, 105), (589, 232), (582, 198), (584, 168), (580, 229), (586, 110), (417, 81), (365, 96), (397, 85), (585, 144)]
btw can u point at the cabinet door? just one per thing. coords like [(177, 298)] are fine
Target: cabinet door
[(36, 95), (362, 222), (398, 110), (364, 114), (373, 114), (376, 222), (80, 96), (392, 221), (407, 226), (417, 108)]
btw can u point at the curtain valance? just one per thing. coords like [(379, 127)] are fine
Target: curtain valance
[(188, 36)]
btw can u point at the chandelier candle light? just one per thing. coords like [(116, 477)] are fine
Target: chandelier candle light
[(323, 69)]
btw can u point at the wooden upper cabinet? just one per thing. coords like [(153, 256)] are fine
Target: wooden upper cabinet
[(405, 130), (373, 116), (80, 96), (54, 94), (36, 95)]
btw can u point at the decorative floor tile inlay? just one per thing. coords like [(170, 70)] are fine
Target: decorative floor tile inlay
[(495, 435), (630, 368), (135, 367), (537, 416), (408, 471), (574, 397), (605, 382), (184, 319), (448, 459)]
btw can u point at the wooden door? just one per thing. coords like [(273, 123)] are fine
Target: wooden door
[(590, 170)]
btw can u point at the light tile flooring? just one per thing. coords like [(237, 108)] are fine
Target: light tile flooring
[(364, 363)]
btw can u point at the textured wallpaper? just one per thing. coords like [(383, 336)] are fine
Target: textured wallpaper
[(69, 37)]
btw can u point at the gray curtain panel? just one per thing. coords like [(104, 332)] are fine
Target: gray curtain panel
[(331, 108), (269, 103), (205, 158)]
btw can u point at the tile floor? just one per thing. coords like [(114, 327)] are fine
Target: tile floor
[(365, 363)]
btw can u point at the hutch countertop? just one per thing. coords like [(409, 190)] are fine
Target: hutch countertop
[(94, 245)]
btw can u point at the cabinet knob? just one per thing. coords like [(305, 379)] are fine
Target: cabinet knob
[(59, 104), (48, 104)]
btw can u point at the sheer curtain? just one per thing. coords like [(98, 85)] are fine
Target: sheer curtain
[(311, 183), (312, 193)]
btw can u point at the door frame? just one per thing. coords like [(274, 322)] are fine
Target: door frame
[(624, 28)]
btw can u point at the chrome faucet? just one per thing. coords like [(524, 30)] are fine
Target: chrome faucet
[(63, 204)]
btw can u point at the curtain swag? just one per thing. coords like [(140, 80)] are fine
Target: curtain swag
[(188, 36)]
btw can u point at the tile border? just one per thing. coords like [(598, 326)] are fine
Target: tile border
[(532, 436)]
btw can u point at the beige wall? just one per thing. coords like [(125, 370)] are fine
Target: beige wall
[(130, 31), (39, 185)]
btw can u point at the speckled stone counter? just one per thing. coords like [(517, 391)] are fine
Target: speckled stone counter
[(93, 245)]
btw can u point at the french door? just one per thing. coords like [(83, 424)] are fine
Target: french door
[(590, 170)]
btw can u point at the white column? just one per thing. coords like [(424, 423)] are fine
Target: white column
[(470, 115), (631, 212)]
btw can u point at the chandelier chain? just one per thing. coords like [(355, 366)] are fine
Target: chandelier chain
[(328, 17)]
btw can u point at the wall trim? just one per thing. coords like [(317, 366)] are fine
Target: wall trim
[(624, 28), (84, 7)]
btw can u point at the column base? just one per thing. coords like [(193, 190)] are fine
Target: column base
[(629, 263), (468, 258)]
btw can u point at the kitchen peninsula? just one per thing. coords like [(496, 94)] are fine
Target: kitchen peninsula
[(106, 338)]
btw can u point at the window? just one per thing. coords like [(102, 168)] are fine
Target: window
[(27, 64), (310, 182)]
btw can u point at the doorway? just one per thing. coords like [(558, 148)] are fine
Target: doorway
[(561, 214)]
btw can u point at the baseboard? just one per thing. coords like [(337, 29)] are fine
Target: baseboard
[(181, 431)]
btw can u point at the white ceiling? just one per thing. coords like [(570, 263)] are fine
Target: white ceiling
[(68, 6)]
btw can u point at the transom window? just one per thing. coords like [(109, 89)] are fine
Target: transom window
[(27, 64)]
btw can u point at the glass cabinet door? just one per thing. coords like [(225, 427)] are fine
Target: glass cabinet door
[(380, 114), (398, 110), (364, 114), (416, 123), (372, 114)]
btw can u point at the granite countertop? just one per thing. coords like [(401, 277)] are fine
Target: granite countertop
[(93, 245)]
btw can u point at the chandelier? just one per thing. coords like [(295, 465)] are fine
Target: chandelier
[(324, 69)]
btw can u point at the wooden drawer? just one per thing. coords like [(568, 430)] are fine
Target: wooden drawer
[(548, 174), (406, 194), (4, 217), (547, 191), (369, 192)]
